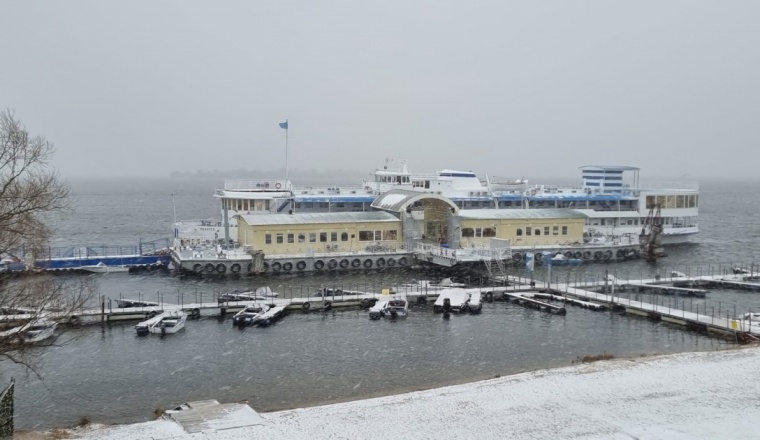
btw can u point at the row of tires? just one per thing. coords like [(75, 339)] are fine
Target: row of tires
[(621, 254), (288, 266)]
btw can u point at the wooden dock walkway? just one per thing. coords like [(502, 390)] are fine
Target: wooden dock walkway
[(671, 312)]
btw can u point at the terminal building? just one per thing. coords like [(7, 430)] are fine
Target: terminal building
[(400, 228)]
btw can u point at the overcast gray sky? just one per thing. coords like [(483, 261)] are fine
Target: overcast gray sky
[(500, 87)]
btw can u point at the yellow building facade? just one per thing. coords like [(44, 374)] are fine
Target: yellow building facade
[(290, 234), (524, 227)]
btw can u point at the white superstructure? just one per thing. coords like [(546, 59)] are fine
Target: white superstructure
[(612, 198)]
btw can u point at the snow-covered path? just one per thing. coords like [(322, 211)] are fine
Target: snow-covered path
[(713, 395)]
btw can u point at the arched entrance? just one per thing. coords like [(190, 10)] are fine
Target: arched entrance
[(427, 218)]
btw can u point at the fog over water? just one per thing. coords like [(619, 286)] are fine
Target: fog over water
[(518, 88)]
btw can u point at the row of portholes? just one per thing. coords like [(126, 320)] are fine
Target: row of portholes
[(332, 264)]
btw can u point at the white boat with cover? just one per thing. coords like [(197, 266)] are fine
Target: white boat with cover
[(393, 307), (101, 267), (452, 300), (165, 323), (169, 322)]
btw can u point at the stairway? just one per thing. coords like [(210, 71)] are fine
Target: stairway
[(495, 267)]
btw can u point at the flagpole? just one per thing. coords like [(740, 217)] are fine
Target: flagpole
[(286, 150)]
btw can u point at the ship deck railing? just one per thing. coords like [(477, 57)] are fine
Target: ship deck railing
[(669, 185)]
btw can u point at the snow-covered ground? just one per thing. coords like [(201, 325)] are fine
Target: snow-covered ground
[(713, 395)]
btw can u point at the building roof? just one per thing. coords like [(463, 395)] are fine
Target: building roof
[(317, 218), (398, 199), (497, 214), (609, 168)]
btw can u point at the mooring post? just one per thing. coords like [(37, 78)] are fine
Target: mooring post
[(102, 309)]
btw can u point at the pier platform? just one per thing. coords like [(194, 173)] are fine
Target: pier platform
[(708, 322)]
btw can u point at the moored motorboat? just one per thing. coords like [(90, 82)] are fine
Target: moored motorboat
[(164, 323), (389, 308), (101, 267), (170, 322), (250, 315), (39, 330), (451, 300), (259, 294), (270, 316), (560, 259), (426, 286), (130, 303), (36, 330)]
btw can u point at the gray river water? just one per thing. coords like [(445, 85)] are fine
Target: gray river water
[(108, 374)]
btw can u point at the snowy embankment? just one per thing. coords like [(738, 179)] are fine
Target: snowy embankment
[(713, 395)]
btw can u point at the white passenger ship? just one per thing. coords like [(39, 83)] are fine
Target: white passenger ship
[(613, 199)]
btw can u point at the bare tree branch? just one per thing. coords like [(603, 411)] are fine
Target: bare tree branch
[(30, 190)]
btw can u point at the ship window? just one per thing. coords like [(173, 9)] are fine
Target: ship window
[(519, 232), (291, 238), (528, 231), (671, 202), (312, 237), (468, 232), (279, 238), (546, 230), (301, 238), (661, 201), (323, 237), (333, 236), (564, 230), (268, 238), (538, 231), (680, 202), (366, 235), (691, 201), (378, 235), (390, 235), (308, 205), (555, 230), (298, 205), (324, 205), (344, 236), (489, 232)]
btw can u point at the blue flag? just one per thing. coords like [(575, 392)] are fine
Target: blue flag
[(284, 124)]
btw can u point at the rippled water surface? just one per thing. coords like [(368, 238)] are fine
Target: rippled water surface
[(109, 374)]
